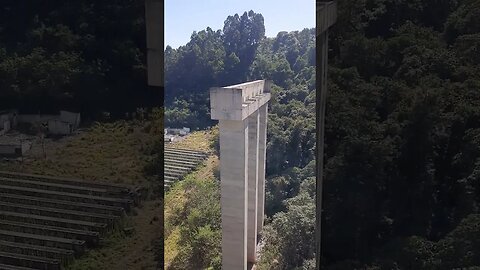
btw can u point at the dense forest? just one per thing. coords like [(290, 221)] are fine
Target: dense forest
[(80, 56), (77, 55), (402, 136), (87, 57), (402, 133), (241, 52)]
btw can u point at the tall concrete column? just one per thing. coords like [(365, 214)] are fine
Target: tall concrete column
[(326, 17), (234, 192), (253, 164), (154, 24), (262, 157), (237, 109)]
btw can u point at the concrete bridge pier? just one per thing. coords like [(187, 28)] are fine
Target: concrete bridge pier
[(242, 113)]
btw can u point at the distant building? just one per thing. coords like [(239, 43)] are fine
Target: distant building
[(177, 131), (63, 124), (13, 147), (174, 134), (169, 138), (8, 120), (72, 118), (5, 124), (58, 127)]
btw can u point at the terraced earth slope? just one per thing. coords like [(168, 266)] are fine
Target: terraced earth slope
[(46, 222), (179, 162), (108, 154)]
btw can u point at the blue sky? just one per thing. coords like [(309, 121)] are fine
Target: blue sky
[(182, 17)]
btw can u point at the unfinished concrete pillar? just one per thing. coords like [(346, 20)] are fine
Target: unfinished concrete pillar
[(237, 109), (262, 157), (253, 136), (234, 175), (154, 24), (326, 17)]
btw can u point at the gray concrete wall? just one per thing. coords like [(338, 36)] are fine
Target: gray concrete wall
[(8, 150), (4, 126), (61, 124), (242, 113), (26, 146), (155, 33), (70, 117), (35, 118), (253, 127), (57, 127), (15, 149), (262, 157), (234, 193)]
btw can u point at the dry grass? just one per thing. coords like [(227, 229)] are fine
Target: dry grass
[(110, 152), (197, 140), (175, 202), (135, 252), (113, 153), (175, 199), (171, 243)]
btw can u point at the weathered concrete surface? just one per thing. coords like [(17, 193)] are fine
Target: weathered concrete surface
[(242, 151), (234, 193), (49, 217), (155, 36), (326, 17), (262, 157), (253, 127), (178, 163), (237, 102)]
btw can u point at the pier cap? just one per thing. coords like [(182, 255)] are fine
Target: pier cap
[(237, 102)]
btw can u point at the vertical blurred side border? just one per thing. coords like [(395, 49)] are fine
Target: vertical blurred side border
[(326, 14), (154, 21)]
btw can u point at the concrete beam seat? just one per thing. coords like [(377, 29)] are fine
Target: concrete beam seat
[(178, 170), (90, 237), (193, 162), (54, 186), (60, 213), (53, 221), (186, 154), (14, 267), (78, 246), (125, 203), (64, 255), (186, 151), (178, 167), (167, 177), (183, 149), (68, 181), (177, 156), (185, 163), (45, 222), (173, 173), (29, 261), (67, 205)]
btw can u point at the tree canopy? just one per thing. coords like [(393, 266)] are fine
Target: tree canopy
[(402, 131), (75, 55)]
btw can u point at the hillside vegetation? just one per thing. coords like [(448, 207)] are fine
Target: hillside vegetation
[(214, 58), (192, 212), (77, 55), (401, 138), (89, 57), (124, 152)]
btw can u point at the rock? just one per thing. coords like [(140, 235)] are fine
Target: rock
[(128, 231)]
